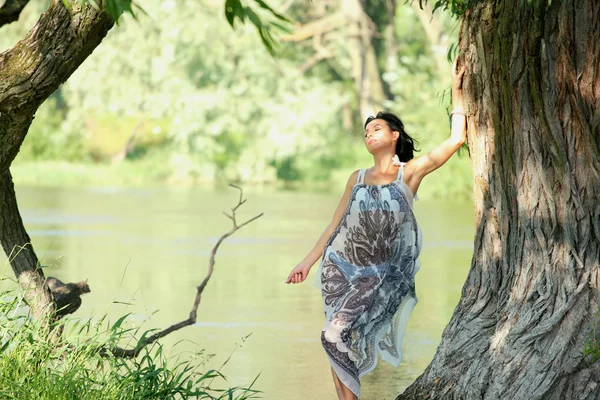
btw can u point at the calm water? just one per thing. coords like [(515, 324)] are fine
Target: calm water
[(150, 247)]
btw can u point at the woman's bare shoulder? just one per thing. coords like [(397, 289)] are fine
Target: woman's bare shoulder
[(352, 179)]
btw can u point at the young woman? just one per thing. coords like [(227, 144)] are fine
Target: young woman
[(369, 252)]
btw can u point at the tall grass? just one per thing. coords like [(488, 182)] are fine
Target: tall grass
[(35, 366)]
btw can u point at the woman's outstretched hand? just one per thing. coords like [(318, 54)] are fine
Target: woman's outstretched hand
[(298, 274)]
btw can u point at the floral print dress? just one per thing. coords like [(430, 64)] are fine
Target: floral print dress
[(367, 279)]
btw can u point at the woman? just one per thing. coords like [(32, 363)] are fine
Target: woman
[(370, 249)]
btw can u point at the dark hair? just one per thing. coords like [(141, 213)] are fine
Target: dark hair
[(406, 146)]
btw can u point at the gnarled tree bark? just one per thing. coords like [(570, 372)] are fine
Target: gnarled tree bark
[(29, 73), (528, 305)]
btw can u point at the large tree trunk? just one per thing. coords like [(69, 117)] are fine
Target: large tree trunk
[(528, 305), (29, 73)]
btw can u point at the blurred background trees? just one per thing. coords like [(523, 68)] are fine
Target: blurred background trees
[(179, 97)]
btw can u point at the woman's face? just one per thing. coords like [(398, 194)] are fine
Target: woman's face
[(378, 135)]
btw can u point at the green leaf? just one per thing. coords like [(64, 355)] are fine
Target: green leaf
[(239, 11), (229, 12), (122, 302), (281, 27), (275, 13), (116, 8), (5, 345), (119, 322), (234, 8), (254, 18), (263, 30)]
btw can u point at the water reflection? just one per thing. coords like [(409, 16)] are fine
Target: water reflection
[(150, 247)]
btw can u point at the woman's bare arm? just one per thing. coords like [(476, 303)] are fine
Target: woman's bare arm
[(300, 272), (417, 168)]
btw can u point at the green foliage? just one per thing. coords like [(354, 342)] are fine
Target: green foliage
[(209, 104), (32, 366), (51, 142), (456, 7), (115, 8), (234, 9)]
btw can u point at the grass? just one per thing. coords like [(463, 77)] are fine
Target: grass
[(32, 366)]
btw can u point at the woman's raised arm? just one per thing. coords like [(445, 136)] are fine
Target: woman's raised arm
[(419, 167)]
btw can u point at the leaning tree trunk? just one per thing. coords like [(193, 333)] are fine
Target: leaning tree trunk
[(29, 73), (16, 244), (528, 306)]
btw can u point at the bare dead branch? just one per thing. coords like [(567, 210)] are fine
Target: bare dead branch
[(133, 352), (11, 10)]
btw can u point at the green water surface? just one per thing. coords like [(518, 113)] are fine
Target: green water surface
[(150, 247)]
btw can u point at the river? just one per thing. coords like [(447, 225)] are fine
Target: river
[(149, 248)]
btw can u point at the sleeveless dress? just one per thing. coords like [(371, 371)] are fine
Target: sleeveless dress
[(367, 279)]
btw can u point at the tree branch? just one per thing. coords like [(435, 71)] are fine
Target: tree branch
[(323, 25), (133, 352), (11, 10), (321, 53)]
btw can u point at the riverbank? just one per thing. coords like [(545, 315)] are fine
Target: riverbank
[(453, 181)]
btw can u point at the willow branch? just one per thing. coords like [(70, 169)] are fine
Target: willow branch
[(133, 352)]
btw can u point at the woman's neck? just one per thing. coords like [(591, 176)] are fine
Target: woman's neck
[(382, 163)]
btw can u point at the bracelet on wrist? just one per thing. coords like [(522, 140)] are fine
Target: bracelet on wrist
[(454, 112)]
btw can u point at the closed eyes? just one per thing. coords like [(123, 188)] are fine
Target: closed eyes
[(377, 128)]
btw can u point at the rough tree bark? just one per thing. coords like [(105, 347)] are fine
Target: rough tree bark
[(29, 73), (528, 306)]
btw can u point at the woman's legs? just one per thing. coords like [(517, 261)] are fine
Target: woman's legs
[(338, 385), (342, 390), (330, 335)]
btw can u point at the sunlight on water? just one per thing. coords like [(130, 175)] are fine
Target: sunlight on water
[(150, 247)]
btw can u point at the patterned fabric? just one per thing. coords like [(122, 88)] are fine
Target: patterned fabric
[(367, 279)]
